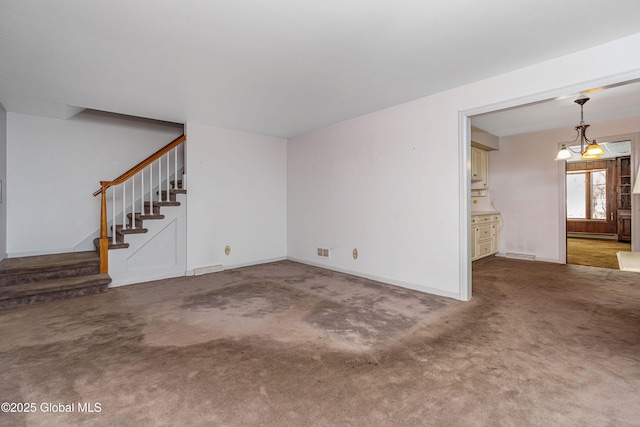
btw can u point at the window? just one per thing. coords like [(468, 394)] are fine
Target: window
[(587, 194)]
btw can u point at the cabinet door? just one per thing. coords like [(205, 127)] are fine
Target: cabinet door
[(495, 237), (477, 164), (479, 169), (624, 225)]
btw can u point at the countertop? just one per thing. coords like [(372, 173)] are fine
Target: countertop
[(474, 213)]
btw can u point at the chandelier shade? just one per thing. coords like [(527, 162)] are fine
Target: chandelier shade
[(589, 148)]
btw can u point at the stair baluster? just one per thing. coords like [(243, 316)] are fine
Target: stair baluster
[(175, 166), (132, 224), (150, 190), (124, 203), (133, 227), (142, 193), (113, 213), (168, 173), (159, 176)]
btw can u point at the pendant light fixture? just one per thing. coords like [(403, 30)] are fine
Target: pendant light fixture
[(589, 148)]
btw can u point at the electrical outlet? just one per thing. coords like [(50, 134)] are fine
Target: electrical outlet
[(227, 250), (355, 254)]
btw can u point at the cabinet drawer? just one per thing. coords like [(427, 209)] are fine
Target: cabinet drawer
[(479, 219), (484, 231), (484, 248), (484, 218)]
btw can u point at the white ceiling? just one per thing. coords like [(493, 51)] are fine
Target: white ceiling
[(278, 67)]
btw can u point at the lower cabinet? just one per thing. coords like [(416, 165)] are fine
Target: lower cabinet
[(485, 235), (624, 225)]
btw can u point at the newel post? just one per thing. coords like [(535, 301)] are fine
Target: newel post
[(104, 237)]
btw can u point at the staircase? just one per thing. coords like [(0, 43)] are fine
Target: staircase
[(135, 222), (149, 209), (37, 279)]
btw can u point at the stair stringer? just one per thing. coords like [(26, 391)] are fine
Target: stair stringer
[(149, 256)]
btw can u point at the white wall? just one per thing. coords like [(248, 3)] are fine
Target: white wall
[(55, 165), (3, 178), (394, 184), (526, 186), (236, 183), (374, 184)]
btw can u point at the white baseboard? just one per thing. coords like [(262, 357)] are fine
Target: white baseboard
[(256, 262), (223, 267), (552, 260), (394, 282), (134, 281)]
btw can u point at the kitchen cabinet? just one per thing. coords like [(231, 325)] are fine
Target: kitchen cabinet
[(479, 169), (485, 235)]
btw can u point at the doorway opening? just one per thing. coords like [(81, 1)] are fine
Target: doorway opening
[(598, 206)]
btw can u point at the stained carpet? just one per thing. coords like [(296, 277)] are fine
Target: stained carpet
[(595, 252), (285, 344)]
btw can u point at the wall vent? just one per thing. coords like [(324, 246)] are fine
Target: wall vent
[(323, 252)]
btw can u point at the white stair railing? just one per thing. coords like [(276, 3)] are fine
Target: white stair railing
[(128, 194)]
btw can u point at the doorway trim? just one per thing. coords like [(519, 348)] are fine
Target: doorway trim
[(464, 167), (634, 139)]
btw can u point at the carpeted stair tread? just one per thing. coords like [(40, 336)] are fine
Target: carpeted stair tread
[(48, 262), (138, 217), (137, 230), (144, 217), (69, 283), (15, 271), (172, 193), (169, 203), (147, 209), (117, 245)]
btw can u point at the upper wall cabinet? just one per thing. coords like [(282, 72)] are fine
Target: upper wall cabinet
[(482, 139), (479, 169)]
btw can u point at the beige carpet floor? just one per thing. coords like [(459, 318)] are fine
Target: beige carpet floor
[(595, 252), (285, 344)]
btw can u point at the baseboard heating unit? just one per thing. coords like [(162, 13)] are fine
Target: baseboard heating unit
[(602, 236), (526, 257), (207, 270)]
